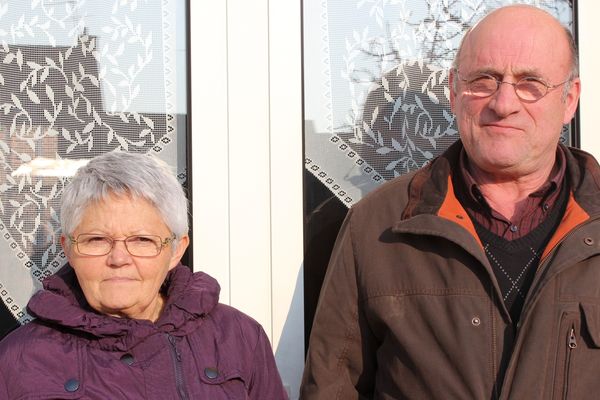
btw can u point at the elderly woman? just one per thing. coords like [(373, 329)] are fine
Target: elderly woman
[(124, 319)]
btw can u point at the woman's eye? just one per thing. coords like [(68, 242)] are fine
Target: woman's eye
[(96, 239), (141, 239)]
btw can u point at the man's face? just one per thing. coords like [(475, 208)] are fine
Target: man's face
[(503, 135)]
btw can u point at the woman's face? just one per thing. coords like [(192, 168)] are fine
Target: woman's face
[(118, 283)]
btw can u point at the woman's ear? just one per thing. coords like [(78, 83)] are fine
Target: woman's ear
[(182, 244), (64, 244)]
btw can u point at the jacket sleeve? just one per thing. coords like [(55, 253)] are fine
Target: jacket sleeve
[(341, 357), (3, 388), (266, 382), (5, 363)]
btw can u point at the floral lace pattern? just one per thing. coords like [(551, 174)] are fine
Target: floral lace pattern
[(75, 83), (376, 83)]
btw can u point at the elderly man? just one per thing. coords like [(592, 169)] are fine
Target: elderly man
[(477, 276)]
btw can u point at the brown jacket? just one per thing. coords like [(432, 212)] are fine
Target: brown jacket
[(410, 307)]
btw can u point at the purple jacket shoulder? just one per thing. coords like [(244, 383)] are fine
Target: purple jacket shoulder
[(197, 349)]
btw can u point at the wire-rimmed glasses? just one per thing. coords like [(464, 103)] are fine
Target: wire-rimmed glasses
[(92, 244), (529, 89)]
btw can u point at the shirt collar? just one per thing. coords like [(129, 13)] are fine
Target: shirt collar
[(548, 188)]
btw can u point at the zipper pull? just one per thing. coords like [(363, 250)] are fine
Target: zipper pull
[(173, 342), (572, 342)]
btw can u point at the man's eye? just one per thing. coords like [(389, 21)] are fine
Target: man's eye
[(483, 79), (483, 84)]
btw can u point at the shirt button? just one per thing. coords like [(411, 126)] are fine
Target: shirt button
[(72, 385), (546, 206), (514, 228)]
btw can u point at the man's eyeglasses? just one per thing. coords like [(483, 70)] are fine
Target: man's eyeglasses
[(90, 244), (527, 89)]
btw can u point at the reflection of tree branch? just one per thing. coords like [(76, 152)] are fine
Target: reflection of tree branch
[(370, 76), (442, 28)]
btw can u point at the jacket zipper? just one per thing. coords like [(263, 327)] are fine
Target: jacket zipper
[(571, 346), (176, 355)]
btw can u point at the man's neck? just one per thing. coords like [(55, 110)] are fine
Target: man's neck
[(508, 194)]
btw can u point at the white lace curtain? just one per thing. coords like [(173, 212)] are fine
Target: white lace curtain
[(78, 78), (376, 85)]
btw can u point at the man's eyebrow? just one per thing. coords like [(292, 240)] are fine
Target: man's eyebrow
[(517, 73), (485, 71), (528, 72)]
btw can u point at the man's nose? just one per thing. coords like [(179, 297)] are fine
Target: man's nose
[(505, 101)]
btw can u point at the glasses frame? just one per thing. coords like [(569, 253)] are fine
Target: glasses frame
[(163, 243), (499, 82)]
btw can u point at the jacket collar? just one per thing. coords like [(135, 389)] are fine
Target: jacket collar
[(431, 192), (62, 305), (429, 187)]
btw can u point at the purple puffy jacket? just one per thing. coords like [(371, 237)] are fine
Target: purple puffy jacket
[(198, 349)]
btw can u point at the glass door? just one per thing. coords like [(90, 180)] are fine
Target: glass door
[(78, 78), (376, 102)]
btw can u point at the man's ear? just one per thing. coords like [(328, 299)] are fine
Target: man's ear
[(452, 87), (182, 244), (571, 100)]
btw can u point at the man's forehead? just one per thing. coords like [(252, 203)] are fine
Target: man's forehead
[(516, 48), (516, 22)]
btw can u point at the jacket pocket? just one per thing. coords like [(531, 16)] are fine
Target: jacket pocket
[(231, 384), (568, 342), (591, 314), (578, 354)]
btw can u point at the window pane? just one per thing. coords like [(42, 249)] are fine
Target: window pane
[(79, 78)]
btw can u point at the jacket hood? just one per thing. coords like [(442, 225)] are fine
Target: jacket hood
[(61, 304)]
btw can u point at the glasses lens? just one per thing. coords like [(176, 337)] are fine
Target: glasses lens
[(143, 246), (482, 86), (93, 245), (531, 89)]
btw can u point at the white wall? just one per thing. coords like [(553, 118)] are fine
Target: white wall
[(589, 55), (247, 164)]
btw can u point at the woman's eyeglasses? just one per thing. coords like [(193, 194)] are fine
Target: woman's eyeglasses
[(91, 244)]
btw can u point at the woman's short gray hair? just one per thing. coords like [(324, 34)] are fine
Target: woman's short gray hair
[(120, 173)]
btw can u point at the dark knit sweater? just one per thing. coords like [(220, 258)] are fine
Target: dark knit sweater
[(515, 262)]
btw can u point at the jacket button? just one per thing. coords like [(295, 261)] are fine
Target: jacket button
[(475, 321), (211, 373), (589, 241), (72, 385), (127, 359)]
